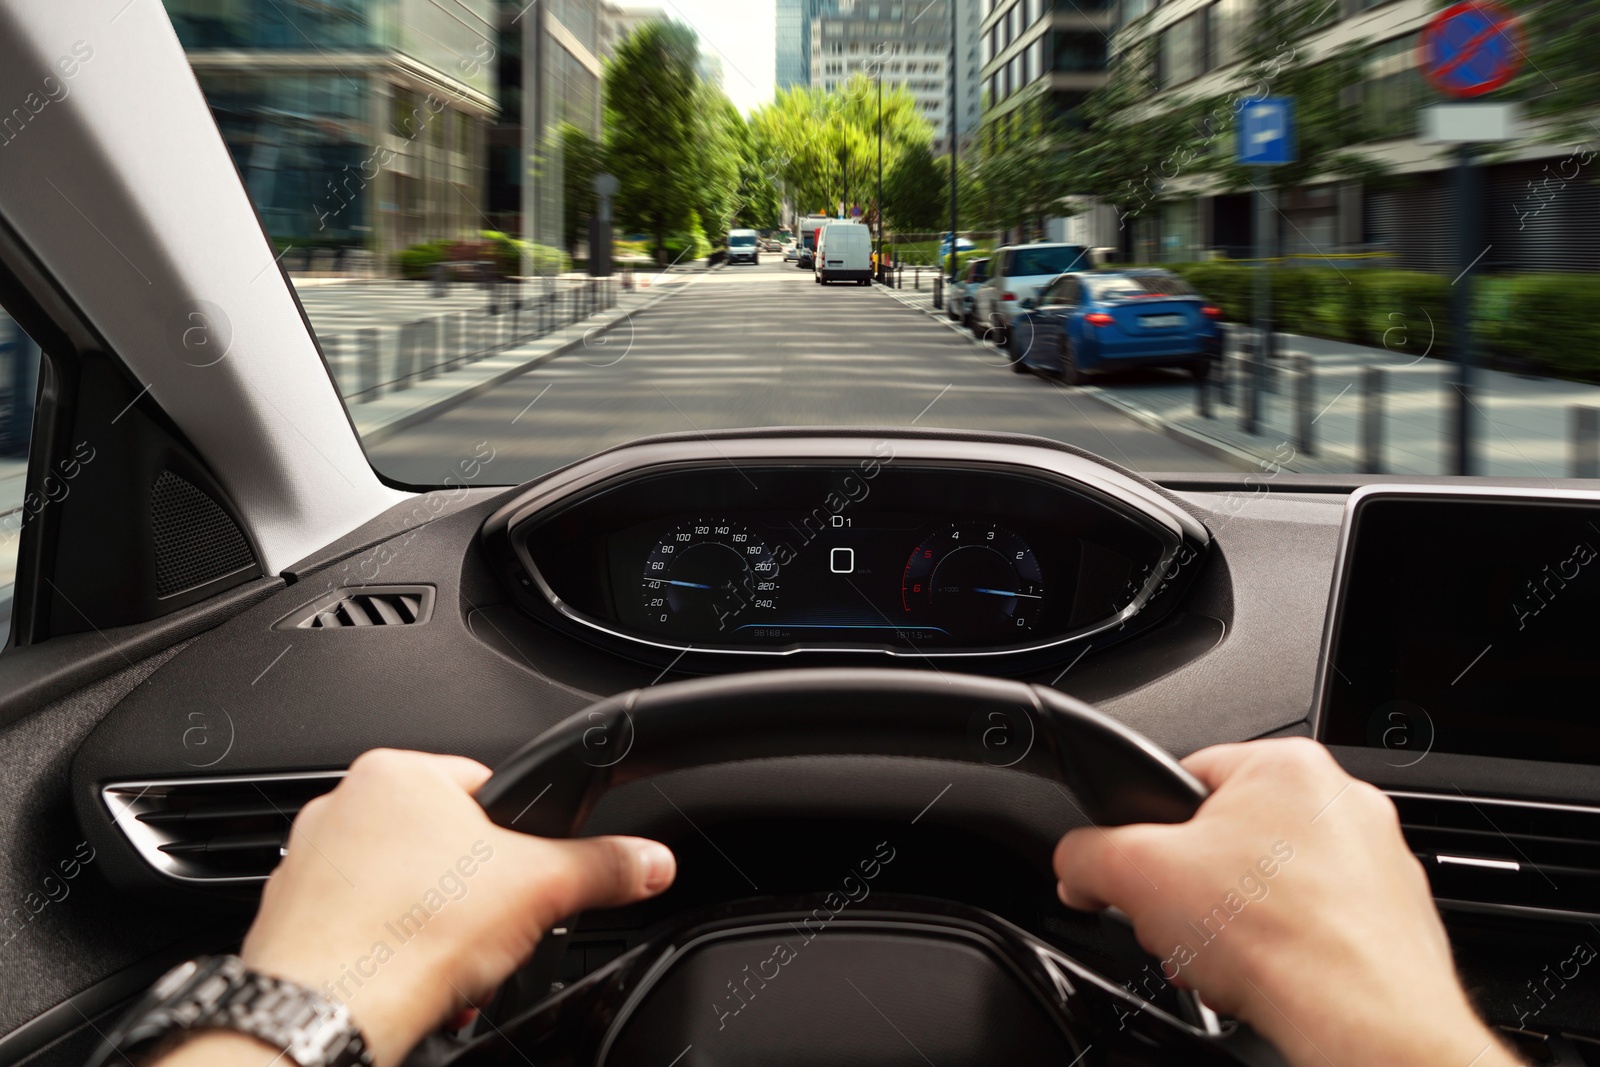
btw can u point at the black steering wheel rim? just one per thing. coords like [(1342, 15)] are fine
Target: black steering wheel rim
[(551, 785)]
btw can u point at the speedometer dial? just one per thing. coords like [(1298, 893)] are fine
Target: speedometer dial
[(709, 577), (977, 580)]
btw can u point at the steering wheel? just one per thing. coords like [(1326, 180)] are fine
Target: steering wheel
[(904, 981)]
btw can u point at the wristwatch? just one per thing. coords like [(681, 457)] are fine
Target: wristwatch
[(221, 993)]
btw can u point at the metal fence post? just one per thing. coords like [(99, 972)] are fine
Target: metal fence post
[(1305, 398), (367, 363), (1372, 386), (1585, 441)]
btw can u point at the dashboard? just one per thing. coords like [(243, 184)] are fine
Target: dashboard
[(868, 548)]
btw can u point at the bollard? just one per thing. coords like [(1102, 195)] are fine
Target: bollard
[(1305, 399), (367, 363), (1222, 368), (1372, 387), (405, 357), (1585, 441), (428, 346), (938, 291), (1249, 387), (449, 340), (1202, 393)]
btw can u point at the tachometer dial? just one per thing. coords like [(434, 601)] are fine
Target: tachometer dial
[(709, 577), (977, 580)]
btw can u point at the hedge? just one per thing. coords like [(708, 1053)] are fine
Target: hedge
[(1542, 321), (504, 251)]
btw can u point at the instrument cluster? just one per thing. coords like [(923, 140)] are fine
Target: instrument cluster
[(883, 554)]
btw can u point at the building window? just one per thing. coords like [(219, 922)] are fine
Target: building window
[(1077, 51), (1181, 52), (1392, 90), (1229, 22)]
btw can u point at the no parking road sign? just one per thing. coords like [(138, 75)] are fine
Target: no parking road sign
[(1471, 48)]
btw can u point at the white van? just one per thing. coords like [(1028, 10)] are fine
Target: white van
[(844, 253), (744, 246)]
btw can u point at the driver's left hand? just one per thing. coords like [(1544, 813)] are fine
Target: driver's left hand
[(400, 898)]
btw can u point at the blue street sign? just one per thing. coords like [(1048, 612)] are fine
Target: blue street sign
[(1266, 131)]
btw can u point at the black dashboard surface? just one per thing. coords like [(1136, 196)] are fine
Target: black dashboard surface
[(1236, 658)]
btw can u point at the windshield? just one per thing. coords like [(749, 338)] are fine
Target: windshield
[(435, 180), (1025, 262)]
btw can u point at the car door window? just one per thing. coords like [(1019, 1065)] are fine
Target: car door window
[(19, 382)]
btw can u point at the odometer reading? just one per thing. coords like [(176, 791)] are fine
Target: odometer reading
[(708, 577), (976, 580)]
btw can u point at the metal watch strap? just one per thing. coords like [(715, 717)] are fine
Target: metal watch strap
[(221, 993)]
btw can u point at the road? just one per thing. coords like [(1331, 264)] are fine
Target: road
[(763, 346)]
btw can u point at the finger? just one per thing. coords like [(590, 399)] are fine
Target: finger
[(1216, 764), (1101, 866), (469, 774), (605, 872)]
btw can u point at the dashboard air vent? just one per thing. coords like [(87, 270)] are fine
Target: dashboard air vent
[(1500, 854), (393, 605), (220, 830)]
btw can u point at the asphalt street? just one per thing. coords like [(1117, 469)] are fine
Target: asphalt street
[(762, 346)]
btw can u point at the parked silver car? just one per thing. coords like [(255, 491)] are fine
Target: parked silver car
[(958, 305)]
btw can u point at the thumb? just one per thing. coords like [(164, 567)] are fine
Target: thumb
[(603, 872)]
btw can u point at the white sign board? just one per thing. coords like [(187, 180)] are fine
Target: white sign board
[(1468, 123)]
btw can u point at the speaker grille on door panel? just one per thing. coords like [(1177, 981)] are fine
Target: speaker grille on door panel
[(196, 542)]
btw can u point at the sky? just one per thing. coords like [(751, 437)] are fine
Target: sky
[(739, 32)]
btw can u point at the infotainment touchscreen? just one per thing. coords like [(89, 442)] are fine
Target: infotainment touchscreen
[(1467, 624)]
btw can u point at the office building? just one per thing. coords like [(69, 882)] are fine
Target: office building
[(1049, 49), (906, 43), (549, 75), (352, 125), (617, 22), (794, 22), (1540, 207)]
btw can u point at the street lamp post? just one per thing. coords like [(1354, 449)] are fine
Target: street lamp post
[(880, 175), (954, 64)]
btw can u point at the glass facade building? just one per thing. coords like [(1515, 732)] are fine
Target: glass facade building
[(355, 124), (793, 59)]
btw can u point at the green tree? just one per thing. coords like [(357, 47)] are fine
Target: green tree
[(582, 159), (653, 125), (1560, 84), (824, 146), (916, 190)]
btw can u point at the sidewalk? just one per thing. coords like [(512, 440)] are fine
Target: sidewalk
[(1522, 425), (338, 312)]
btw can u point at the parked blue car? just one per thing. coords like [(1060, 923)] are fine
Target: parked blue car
[(1086, 322)]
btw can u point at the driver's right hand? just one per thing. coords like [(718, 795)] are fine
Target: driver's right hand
[(1290, 901)]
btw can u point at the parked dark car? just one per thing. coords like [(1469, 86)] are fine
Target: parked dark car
[(1086, 322)]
